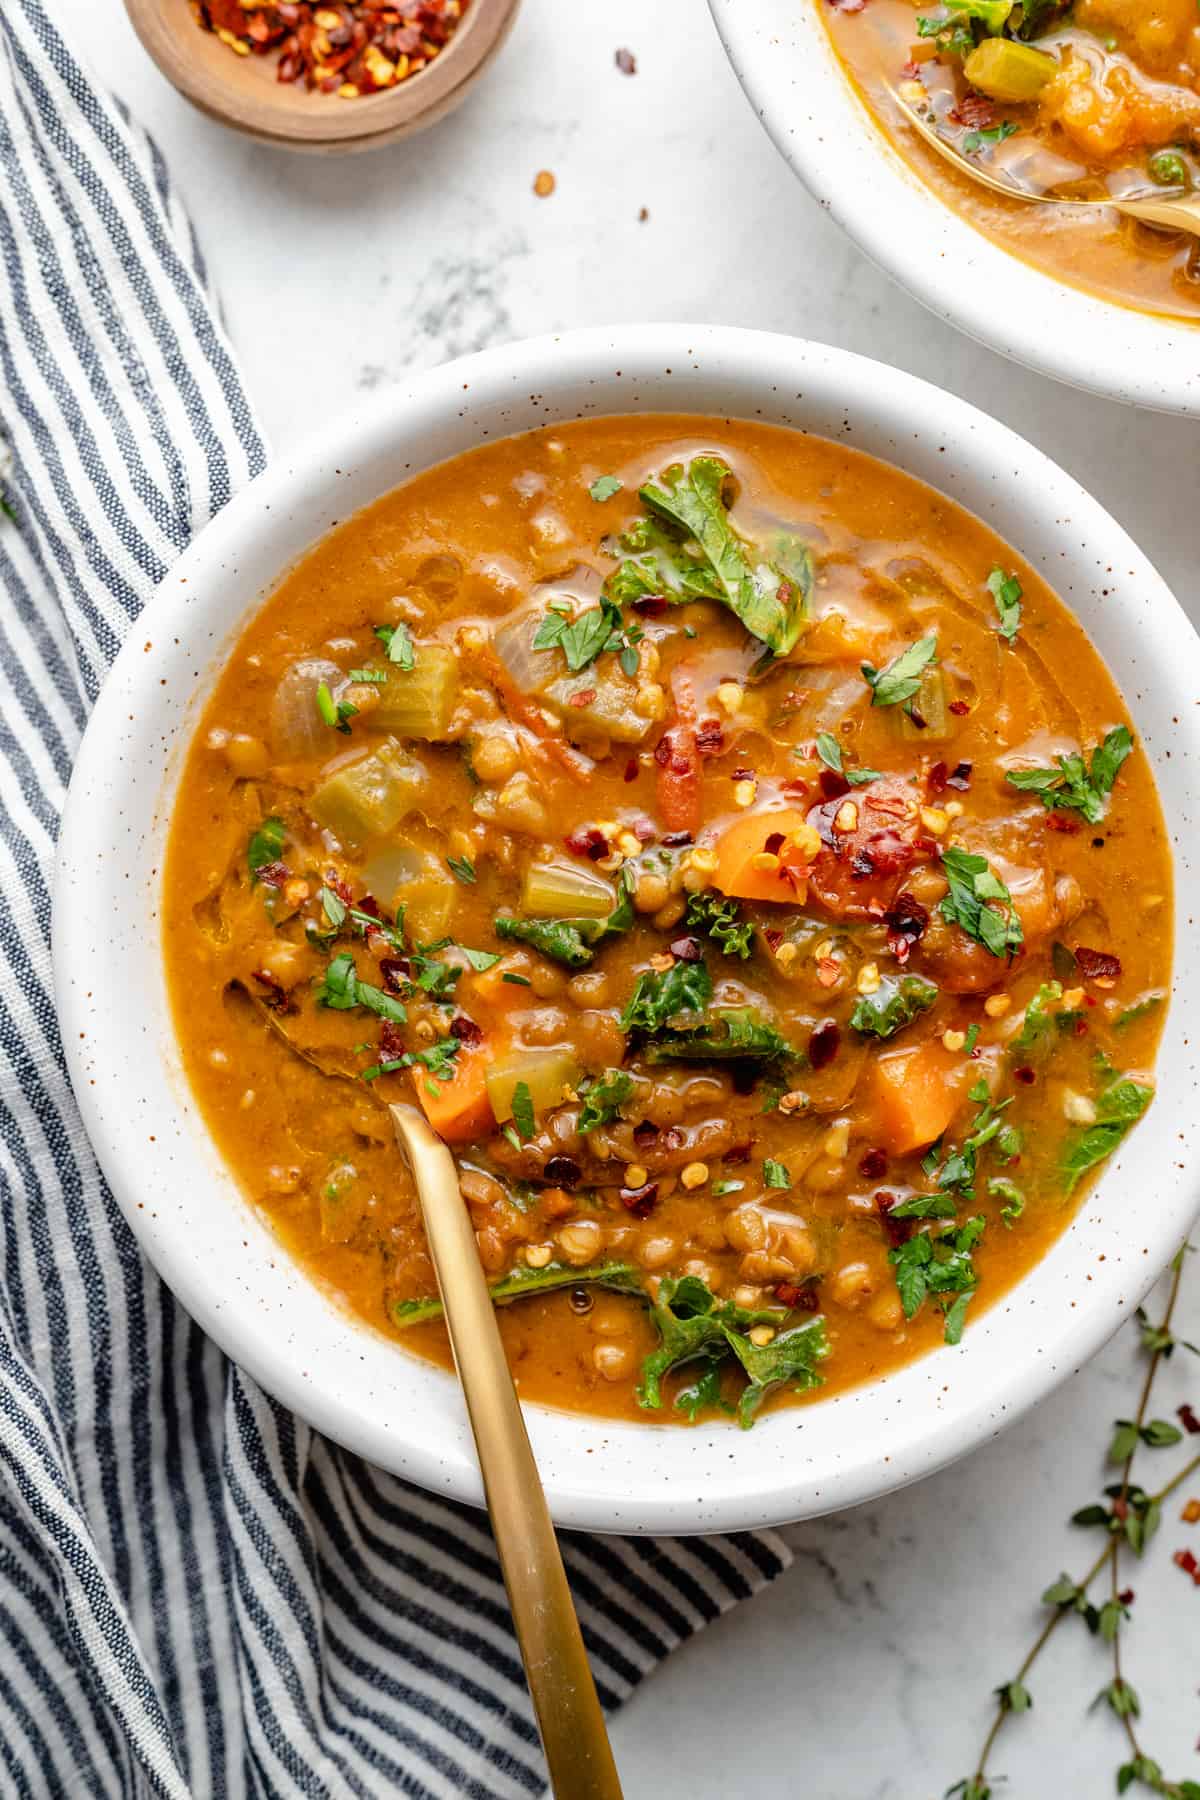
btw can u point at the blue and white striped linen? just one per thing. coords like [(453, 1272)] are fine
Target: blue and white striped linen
[(198, 1595)]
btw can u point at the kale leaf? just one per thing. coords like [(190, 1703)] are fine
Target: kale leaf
[(895, 1003)]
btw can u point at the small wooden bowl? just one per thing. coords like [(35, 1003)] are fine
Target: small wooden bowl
[(242, 91)]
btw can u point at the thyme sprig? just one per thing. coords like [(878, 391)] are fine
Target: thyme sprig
[(1129, 1520)]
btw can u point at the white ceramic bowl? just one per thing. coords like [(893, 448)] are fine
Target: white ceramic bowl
[(783, 57), (193, 1222)]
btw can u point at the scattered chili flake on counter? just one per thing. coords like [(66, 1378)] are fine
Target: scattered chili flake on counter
[(346, 47)]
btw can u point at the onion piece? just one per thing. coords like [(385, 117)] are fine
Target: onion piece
[(297, 728)]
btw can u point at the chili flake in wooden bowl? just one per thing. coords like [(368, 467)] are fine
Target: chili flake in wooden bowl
[(277, 69), (349, 48)]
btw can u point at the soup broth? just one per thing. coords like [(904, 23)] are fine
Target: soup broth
[(741, 855)]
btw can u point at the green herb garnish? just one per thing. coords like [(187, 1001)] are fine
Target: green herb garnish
[(1074, 786), (1007, 592), (896, 1002), (899, 680), (980, 903)]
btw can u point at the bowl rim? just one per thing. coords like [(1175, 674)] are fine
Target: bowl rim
[(266, 113), (351, 1382), (786, 62)]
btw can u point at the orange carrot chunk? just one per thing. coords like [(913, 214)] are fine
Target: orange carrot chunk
[(916, 1093), (758, 859), (460, 1109)]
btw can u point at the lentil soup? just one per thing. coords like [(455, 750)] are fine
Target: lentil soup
[(739, 853), (1076, 102)]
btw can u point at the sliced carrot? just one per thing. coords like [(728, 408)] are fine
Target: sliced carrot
[(916, 1093), (460, 1109), (754, 840)]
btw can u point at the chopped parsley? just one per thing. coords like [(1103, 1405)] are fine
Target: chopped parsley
[(1007, 592), (1120, 1106), (980, 903), (989, 136), (830, 753), (776, 1174), (938, 1266), (522, 1110), (900, 680), (604, 487), (397, 641), (1074, 785), (437, 1060), (265, 847), (341, 989), (480, 960), (336, 713)]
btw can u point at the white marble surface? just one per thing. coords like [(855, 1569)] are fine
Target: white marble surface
[(864, 1673)]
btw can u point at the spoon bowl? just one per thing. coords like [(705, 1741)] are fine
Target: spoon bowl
[(1170, 212)]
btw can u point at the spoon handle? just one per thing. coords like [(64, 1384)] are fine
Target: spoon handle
[(560, 1680)]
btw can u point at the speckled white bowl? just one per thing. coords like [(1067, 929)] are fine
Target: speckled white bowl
[(189, 1214), (783, 57)]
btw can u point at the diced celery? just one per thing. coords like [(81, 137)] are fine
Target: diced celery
[(610, 712), (418, 702), (369, 797), (929, 704), (558, 891), (551, 1076), (1008, 71)]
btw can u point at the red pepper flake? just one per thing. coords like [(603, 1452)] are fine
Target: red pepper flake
[(743, 775), (687, 949), (645, 1133), (975, 111), (374, 45), (273, 874), (562, 1171), (465, 1030), (369, 905), (587, 841), (276, 995), (626, 62), (396, 971), (833, 785), (773, 936), (1097, 965), (937, 778), (584, 697), (652, 606), (738, 1153), (907, 923), (1127, 1596), (960, 777), (640, 1201), (391, 1041), (663, 750), (631, 769), (1187, 1418), (824, 1044), (1025, 1075), (960, 708), (787, 1293), (1058, 821), (676, 840), (872, 1164), (1185, 1560), (342, 889), (710, 738), (897, 1231), (773, 843)]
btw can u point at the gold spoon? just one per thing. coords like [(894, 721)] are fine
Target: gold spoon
[(1176, 215), (568, 1711)]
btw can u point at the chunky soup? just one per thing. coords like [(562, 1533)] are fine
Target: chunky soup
[(743, 859), (1079, 101)]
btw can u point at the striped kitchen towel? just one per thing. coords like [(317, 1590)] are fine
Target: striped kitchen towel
[(198, 1595)]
